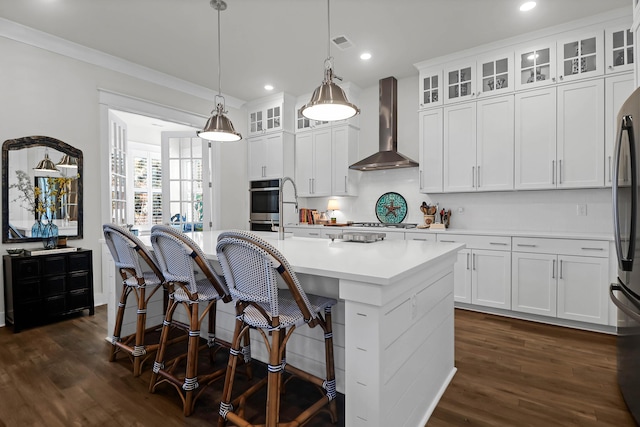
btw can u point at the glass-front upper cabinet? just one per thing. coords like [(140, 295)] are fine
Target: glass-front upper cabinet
[(430, 88), (265, 119), (495, 74), (619, 49), (580, 56), (270, 114), (460, 82), (535, 66)]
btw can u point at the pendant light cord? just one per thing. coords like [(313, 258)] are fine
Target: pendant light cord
[(328, 28), (219, 55)]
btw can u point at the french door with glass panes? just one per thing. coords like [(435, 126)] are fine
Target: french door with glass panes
[(186, 182)]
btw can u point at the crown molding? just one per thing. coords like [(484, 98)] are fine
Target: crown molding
[(27, 35)]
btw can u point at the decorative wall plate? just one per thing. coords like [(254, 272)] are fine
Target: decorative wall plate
[(391, 208)]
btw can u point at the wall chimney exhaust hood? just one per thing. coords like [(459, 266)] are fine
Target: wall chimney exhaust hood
[(387, 157)]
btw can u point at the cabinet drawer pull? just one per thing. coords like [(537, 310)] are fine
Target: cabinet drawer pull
[(314, 234), (525, 245), (553, 270), (447, 241), (592, 249), (498, 243), (467, 260), (419, 239), (473, 261), (560, 275)]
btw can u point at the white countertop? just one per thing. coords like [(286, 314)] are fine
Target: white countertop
[(383, 262), (507, 233)]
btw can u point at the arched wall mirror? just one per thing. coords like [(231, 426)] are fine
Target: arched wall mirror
[(41, 179)]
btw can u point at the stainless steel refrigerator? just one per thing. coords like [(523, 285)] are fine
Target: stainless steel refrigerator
[(625, 294)]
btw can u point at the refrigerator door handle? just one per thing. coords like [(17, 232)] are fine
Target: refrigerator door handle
[(625, 260), (626, 310)]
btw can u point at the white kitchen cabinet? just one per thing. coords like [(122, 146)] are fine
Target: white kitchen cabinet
[(534, 283), (619, 47), (344, 149), (582, 289), (559, 137), (460, 147), (430, 88), (561, 278), (462, 277), (270, 114), (313, 163), (580, 125), (485, 269), (495, 74), (322, 160), (478, 145), (535, 139), (316, 232), (460, 81), (423, 236), (431, 150), (494, 139), (580, 55), (535, 65), (270, 156), (617, 90)]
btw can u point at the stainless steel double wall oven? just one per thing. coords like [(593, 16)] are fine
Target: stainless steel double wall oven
[(264, 204)]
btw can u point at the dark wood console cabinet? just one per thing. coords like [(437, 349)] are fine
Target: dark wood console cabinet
[(44, 288)]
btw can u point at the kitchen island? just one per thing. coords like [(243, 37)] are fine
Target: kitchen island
[(393, 325)]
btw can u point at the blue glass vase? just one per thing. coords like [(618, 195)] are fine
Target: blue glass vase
[(49, 235), (36, 229)]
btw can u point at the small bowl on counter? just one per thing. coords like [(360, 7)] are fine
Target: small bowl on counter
[(15, 251)]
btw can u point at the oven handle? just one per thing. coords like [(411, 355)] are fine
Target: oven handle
[(264, 189), (617, 287)]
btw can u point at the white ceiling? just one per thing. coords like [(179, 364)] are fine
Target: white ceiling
[(284, 42)]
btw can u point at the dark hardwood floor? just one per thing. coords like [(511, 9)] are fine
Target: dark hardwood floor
[(510, 373), (518, 373)]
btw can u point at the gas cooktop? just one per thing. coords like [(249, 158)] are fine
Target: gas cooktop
[(383, 224)]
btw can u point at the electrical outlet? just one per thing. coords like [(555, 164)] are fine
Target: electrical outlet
[(460, 211), (581, 210)]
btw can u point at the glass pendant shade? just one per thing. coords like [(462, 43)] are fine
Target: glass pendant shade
[(46, 164), (219, 128)]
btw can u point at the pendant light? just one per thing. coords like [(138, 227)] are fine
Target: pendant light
[(68, 162), (219, 127), (329, 102), (46, 164)]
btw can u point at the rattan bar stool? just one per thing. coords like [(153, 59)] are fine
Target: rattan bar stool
[(251, 268), (140, 277), (191, 281)]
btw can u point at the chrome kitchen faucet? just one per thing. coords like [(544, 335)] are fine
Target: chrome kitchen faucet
[(282, 202)]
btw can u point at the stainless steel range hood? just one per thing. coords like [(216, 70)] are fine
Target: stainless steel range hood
[(387, 157)]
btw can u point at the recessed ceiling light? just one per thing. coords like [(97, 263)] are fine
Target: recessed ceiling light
[(268, 87), (365, 56), (527, 6)]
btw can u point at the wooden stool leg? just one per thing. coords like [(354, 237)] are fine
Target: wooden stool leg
[(119, 318), (274, 378), (234, 352), (329, 363), (191, 374), (139, 348), (212, 332), (164, 335)]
